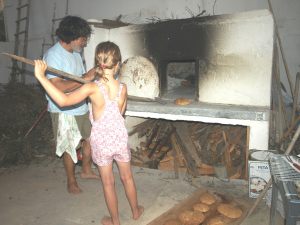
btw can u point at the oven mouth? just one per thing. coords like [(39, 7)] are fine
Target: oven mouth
[(180, 80)]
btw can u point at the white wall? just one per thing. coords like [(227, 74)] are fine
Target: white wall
[(142, 11)]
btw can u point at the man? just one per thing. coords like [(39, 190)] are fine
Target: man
[(71, 124)]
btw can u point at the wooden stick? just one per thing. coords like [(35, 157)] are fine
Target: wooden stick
[(79, 79), (295, 102), (290, 129), (37, 121), (50, 69), (281, 50)]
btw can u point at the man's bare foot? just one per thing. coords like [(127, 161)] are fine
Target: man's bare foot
[(89, 175), (73, 188), (107, 221), (139, 212)]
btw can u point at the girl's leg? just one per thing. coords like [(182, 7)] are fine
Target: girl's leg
[(108, 182), (130, 189)]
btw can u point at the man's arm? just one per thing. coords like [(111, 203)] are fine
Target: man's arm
[(69, 85)]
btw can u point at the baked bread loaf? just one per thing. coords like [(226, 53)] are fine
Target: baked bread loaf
[(172, 222), (186, 216), (207, 198), (229, 211), (189, 217), (201, 207), (182, 101), (198, 217), (215, 221)]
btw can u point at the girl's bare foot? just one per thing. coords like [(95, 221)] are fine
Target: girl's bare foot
[(73, 188), (107, 221), (139, 212)]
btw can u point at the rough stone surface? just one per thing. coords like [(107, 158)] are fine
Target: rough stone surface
[(140, 76)]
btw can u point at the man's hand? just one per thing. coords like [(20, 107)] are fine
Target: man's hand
[(90, 75)]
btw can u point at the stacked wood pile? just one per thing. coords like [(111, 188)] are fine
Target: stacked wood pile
[(192, 147)]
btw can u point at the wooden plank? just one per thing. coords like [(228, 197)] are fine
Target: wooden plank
[(190, 163), (187, 204), (185, 137)]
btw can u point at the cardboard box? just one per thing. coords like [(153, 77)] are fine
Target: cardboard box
[(259, 176)]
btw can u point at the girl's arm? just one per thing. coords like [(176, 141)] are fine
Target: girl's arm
[(124, 99), (57, 95)]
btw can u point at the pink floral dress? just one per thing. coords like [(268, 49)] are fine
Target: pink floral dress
[(109, 137)]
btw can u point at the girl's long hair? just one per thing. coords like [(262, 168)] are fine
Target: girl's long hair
[(107, 56)]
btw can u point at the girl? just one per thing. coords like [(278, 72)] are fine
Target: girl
[(109, 138)]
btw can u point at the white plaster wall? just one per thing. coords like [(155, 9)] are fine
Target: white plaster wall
[(239, 69), (142, 11)]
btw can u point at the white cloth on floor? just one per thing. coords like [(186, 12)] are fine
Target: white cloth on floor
[(68, 136)]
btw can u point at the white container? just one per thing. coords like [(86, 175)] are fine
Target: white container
[(259, 171)]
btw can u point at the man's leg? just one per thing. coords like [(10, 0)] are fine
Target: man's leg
[(87, 171), (72, 185), (84, 126), (69, 165)]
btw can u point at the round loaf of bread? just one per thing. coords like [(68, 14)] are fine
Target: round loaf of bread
[(207, 198), (230, 211), (182, 101), (215, 221), (198, 217), (189, 217), (201, 207), (185, 216), (172, 222)]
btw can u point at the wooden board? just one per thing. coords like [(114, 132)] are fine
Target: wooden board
[(188, 203)]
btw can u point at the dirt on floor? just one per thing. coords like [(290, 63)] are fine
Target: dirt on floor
[(25, 131)]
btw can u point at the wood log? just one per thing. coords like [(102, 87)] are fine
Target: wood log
[(163, 140), (141, 127), (179, 147), (185, 138)]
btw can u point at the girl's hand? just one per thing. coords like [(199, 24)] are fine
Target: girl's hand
[(40, 67)]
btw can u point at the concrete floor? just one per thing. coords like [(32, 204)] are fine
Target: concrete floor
[(36, 194)]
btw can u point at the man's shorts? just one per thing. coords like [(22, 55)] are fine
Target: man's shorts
[(83, 123)]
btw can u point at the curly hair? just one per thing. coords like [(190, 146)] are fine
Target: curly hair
[(73, 27)]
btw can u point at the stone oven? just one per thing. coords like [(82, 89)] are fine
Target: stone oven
[(226, 60)]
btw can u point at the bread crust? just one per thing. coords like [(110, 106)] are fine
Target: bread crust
[(215, 221), (229, 211), (189, 217), (183, 101), (207, 198), (201, 207)]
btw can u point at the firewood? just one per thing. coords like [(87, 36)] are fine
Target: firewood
[(162, 140), (140, 128), (189, 161), (184, 136)]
